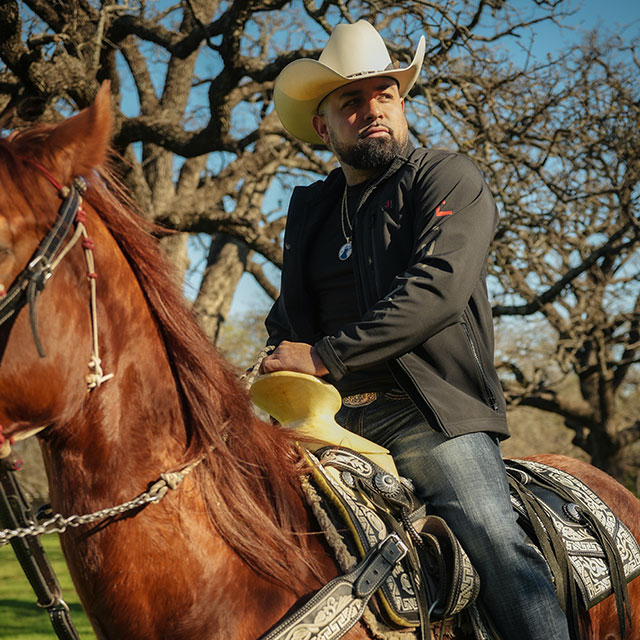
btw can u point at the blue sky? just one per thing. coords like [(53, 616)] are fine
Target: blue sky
[(610, 16)]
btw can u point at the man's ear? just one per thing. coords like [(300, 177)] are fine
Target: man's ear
[(320, 125)]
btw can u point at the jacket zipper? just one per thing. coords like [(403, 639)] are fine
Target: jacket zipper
[(395, 165), (490, 397), (376, 272)]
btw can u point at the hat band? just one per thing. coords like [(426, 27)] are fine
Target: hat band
[(389, 67)]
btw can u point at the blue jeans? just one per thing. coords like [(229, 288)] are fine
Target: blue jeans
[(463, 480)]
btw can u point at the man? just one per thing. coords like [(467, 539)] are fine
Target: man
[(384, 294)]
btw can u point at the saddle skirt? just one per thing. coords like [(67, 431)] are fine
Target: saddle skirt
[(585, 552), (353, 526), (358, 504)]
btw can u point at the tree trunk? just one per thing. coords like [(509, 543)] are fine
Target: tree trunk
[(175, 246), (225, 265)]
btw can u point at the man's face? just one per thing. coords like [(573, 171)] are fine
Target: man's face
[(363, 123)]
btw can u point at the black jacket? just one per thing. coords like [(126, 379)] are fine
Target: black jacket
[(421, 238)]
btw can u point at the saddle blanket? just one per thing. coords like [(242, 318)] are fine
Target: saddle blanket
[(585, 553)]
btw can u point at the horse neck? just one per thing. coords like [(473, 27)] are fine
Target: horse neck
[(131, 427)]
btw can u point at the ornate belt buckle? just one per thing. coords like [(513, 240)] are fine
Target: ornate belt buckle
[(359, 399)]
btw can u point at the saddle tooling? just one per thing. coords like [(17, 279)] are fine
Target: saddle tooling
[(361, 508)]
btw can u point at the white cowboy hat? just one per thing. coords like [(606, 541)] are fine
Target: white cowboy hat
[(353, 52)]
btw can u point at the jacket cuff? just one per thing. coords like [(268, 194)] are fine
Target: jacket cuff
[(325, 350)]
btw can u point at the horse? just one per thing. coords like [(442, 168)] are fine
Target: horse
[(233, 548)]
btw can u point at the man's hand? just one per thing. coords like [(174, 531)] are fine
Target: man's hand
[(294, 356)]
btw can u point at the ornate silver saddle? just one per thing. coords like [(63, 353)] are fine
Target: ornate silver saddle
[(358, 504), (383, 538)]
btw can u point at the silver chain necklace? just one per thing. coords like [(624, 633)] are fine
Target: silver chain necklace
[(344, 253)]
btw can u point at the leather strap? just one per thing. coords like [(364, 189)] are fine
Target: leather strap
[(30, 282), (337, 607), (15, 513)]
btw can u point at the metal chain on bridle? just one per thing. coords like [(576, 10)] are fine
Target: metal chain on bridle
[(58, 523)]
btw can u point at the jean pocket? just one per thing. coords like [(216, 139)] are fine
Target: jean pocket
[(395, 394), (350, 418)]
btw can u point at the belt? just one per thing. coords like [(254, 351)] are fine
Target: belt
[(361, 399)]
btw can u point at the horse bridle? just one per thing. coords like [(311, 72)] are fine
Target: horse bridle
[(30, 282)]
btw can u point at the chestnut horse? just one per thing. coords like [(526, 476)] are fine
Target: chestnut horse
[(227, 553)]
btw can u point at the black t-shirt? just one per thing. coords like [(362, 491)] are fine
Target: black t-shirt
[(333, 291)]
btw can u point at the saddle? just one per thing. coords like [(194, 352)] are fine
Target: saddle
[(358, 504), (359, 500)]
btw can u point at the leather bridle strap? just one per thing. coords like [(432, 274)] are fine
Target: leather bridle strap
[(15, 512), (30, 282)]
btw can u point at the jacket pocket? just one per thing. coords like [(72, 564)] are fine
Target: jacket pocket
[(488, 393)]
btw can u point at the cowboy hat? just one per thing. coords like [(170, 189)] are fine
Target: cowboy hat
[(353, 52)]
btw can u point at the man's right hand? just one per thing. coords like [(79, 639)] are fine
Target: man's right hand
[(294, 356)]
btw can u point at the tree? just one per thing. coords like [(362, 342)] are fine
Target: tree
[(242, 338), (205, 155), (567, 171)]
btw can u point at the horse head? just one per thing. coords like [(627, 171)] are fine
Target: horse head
[(41, 375), (237, 525)]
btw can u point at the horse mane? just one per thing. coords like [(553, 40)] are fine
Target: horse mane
[(246, 462)]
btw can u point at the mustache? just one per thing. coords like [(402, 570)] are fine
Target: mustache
[(365, 132)]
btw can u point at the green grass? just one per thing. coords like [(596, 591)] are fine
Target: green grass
[(20, 616)]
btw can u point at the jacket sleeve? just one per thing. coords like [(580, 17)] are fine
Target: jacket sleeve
[(277, 324), (454, 221)]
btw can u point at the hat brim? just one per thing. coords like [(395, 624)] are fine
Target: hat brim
[(303, 84)]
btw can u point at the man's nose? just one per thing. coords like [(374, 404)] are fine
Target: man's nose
[(372, 111)]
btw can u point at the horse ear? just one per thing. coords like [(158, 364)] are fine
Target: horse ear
[(81, 142)]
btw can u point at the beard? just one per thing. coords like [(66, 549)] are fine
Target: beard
[(368, 153)]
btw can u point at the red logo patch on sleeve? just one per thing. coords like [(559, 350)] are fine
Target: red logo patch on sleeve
[(440, 213)]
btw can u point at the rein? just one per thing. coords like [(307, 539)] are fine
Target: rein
[(28, 285), (15, 511)]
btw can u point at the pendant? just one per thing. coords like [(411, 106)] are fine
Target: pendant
[(345, 251)]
